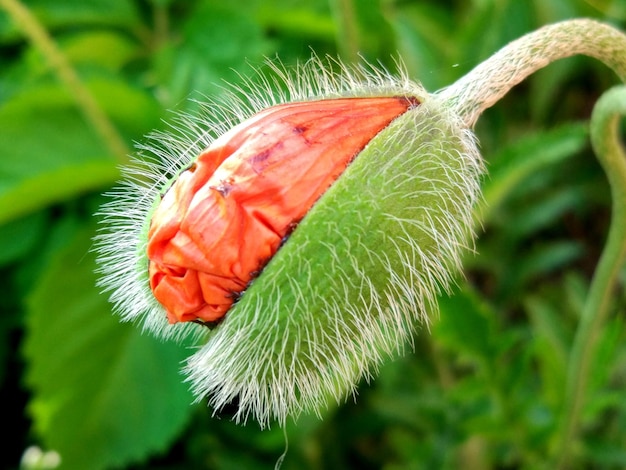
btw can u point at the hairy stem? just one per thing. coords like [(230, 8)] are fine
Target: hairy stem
[(85, 101), (607, 146), (487, 83)]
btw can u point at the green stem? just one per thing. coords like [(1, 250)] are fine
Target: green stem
[(348, 30), (161, 24), (606, 144), (85, 101), (487, 83)]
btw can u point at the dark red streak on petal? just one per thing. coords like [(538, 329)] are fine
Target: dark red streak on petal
[(225, 217)]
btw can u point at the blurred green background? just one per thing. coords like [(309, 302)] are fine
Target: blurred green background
[(483, 389)]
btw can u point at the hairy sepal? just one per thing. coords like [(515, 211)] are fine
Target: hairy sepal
[(355, 280)]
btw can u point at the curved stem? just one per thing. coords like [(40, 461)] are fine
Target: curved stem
[(90, 108), (606, 144), (487, 83)]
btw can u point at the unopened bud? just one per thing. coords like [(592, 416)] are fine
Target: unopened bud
[(313, 237), (225, 217)]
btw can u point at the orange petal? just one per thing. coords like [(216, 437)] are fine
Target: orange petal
[(226, 216)]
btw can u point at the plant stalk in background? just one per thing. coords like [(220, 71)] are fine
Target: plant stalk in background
[(608, 148), (85, 101)]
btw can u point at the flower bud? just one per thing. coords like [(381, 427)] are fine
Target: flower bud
[(314, 235), (227, 215)]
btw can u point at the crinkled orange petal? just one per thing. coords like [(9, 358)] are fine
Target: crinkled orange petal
[(226, 216)]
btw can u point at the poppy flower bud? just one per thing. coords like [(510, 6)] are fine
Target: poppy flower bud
[(227, 215), (313, 234)]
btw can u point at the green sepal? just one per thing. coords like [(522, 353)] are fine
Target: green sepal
[(356, 278)]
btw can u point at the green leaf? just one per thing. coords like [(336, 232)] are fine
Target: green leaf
[(294, 19), (466, 325), (19, 236), (218, 43), (536, 215), (490, 25), (86, 51), (102, 48), (547, 258), (551, 342), (103, 393), (422, 33), (515, 163), (72, 13), (48, 153)]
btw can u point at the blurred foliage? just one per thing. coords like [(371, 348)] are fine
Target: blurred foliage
[(483, 389)]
